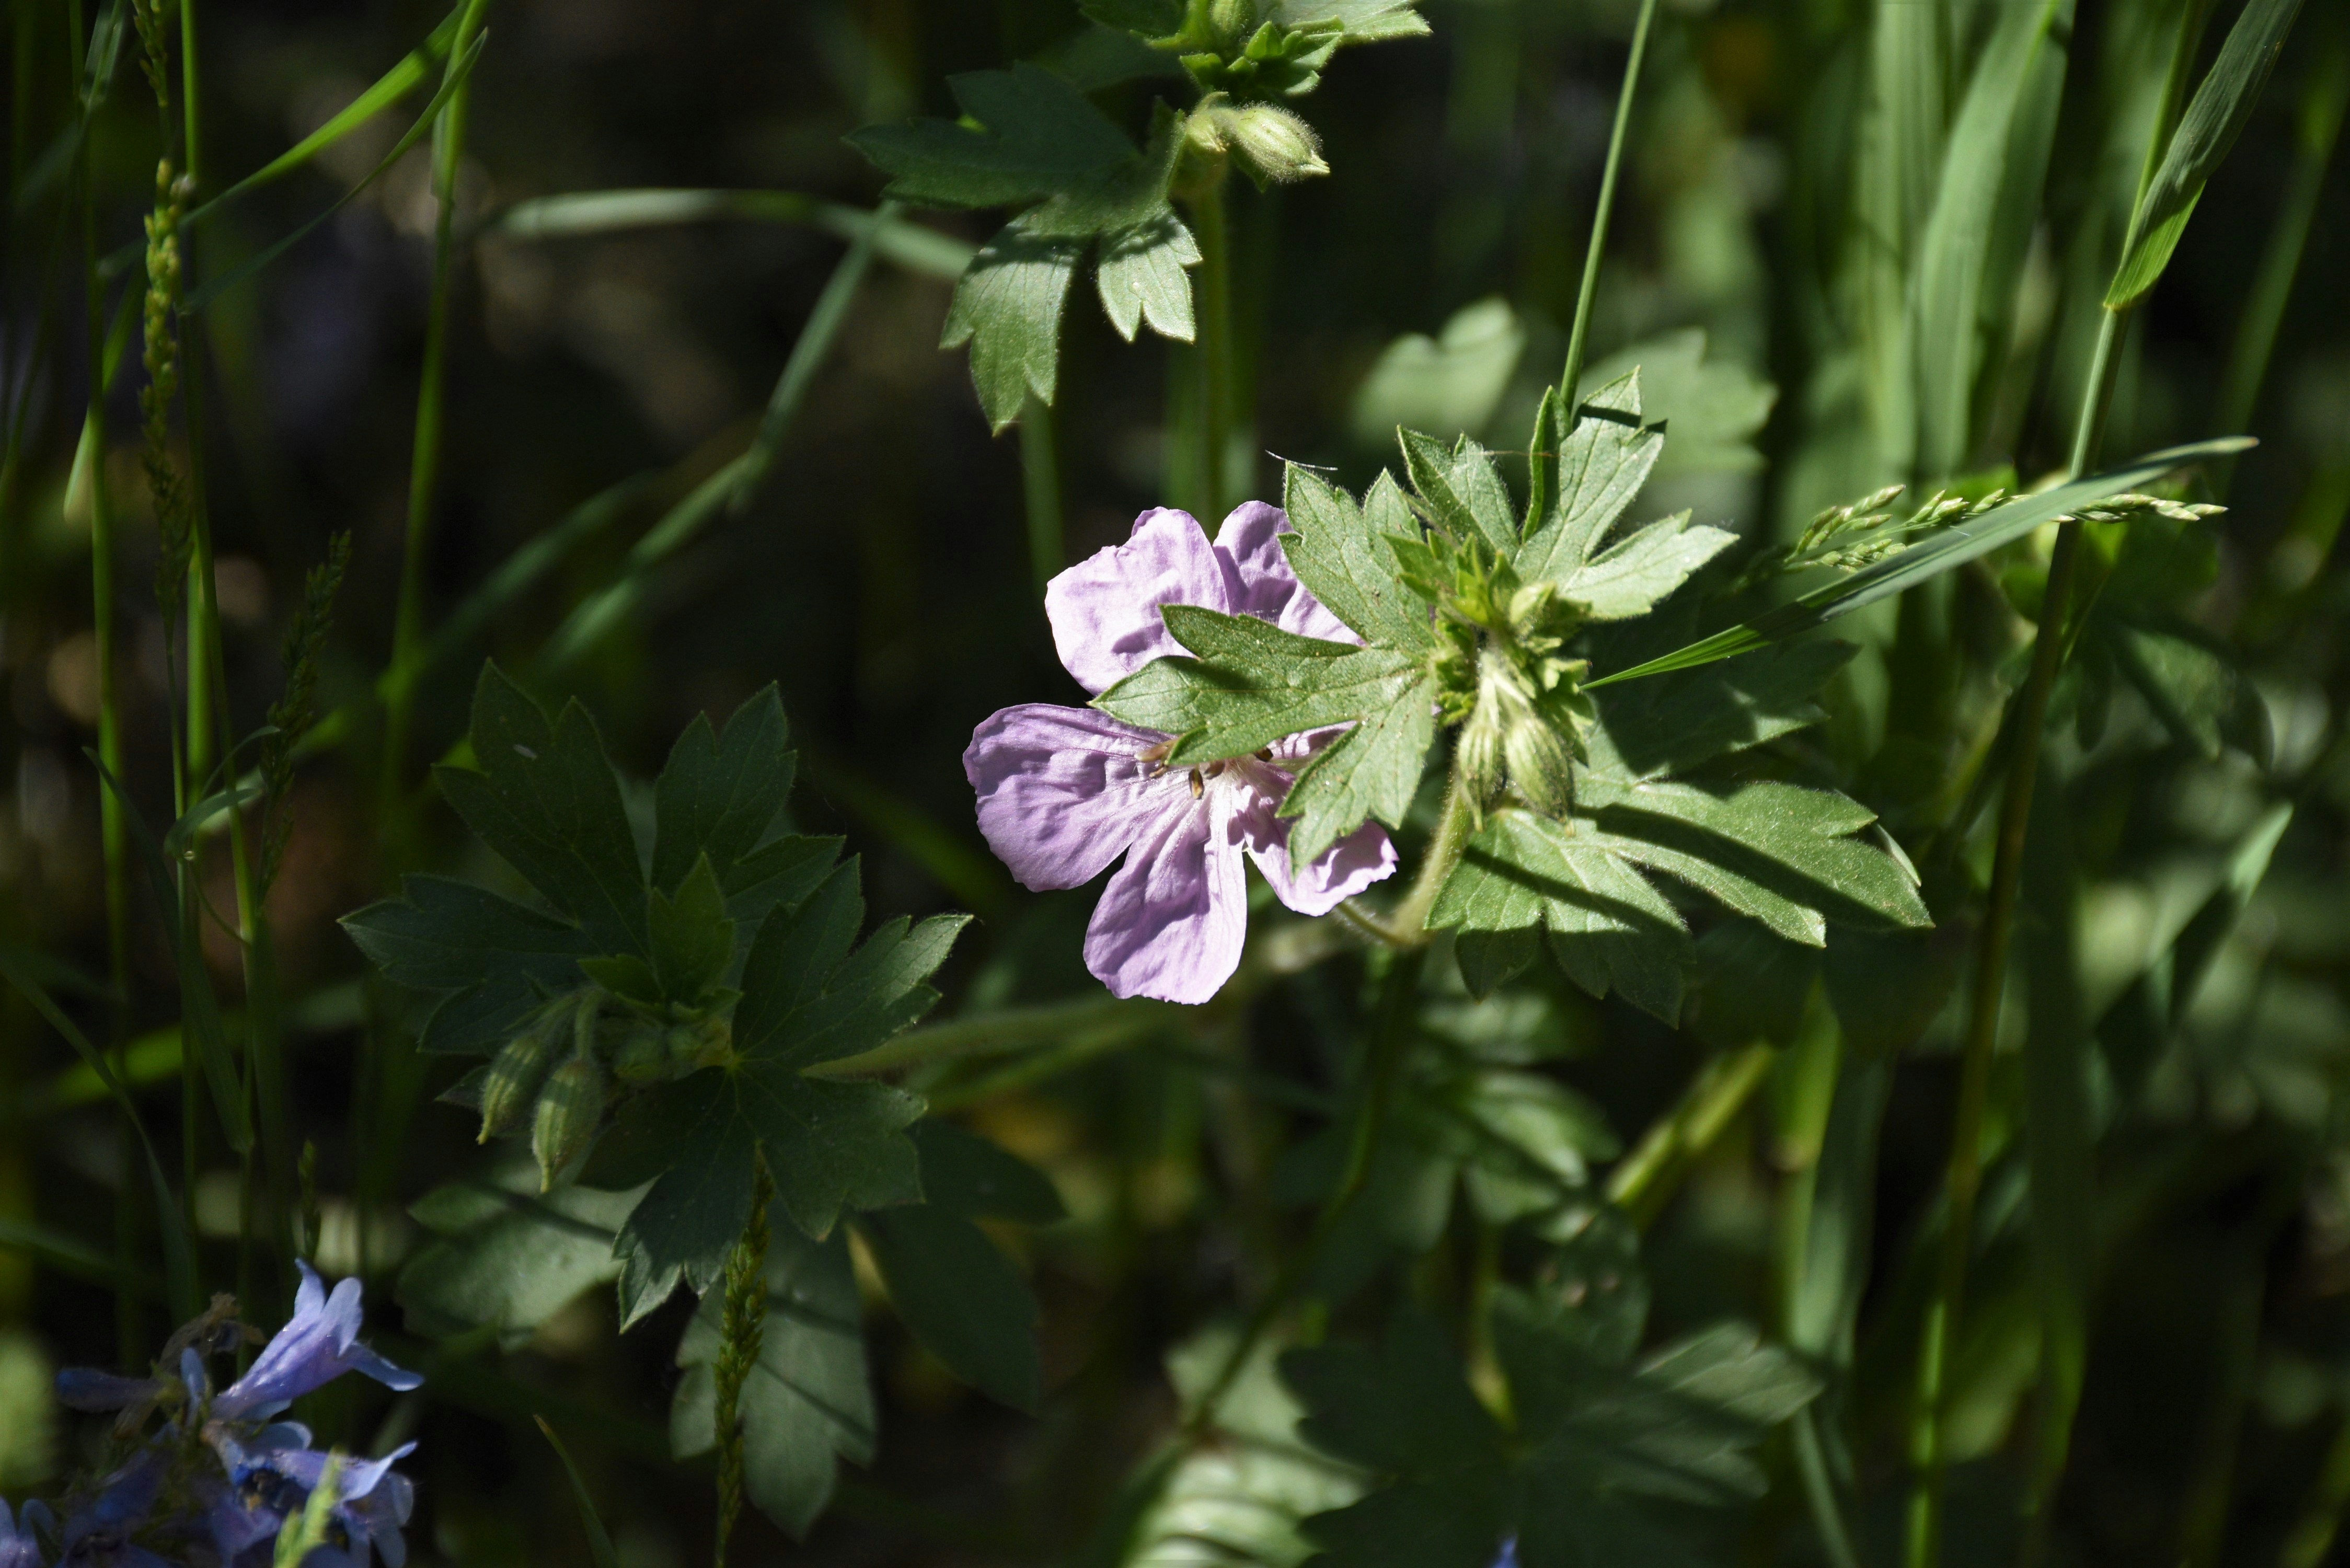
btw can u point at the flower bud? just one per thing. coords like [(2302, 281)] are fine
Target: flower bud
[(1230, 22), (519, 1068), (641, 1052), (1275, 146), (570, 1109)]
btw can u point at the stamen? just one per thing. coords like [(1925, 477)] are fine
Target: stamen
[(1158, 753), (1197, 788), (1264, 753)]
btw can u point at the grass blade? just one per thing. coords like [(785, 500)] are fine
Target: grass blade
[(178, 1256), (2218, 112), (600, 1541), (1935, 554), (457, 76), (919, 250)]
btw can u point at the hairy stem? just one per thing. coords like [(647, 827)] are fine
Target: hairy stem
[(1576, 342), (743, 1330), (1406, 925)]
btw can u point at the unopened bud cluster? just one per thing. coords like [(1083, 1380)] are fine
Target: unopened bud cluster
[(1270, 145), (1520, 705), (574, 1056)]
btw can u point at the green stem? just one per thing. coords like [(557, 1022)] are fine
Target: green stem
[(1644, 1179), (1398, 998), (1577, 341), (1406, 925), (1819, 1492), (1215, 346), (1928, 1447), (1040, 480), (743, 1331)]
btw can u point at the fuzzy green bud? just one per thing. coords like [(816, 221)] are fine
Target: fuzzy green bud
[(1230, 22), (1274, 146), (570, 1108), (519, 1068), (641, 1052), (1526, 728)]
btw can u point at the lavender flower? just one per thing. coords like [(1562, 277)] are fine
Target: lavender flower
[(1064, 792), (318, 1344), (270, 1480)]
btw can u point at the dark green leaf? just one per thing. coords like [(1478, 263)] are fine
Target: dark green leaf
[(1146, 19), (809, 997), (1357, 21), (807, 1401), (693, 936), (963, 1173), (503, 1256), (1008, 308), (546, 800), (500, 959), (961, 1296), (1037, 135), (719, 794), (2208, 129)]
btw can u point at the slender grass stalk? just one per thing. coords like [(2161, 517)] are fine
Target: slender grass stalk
[(1215, 351), (379, 1097), (425, 467), (1577, 341), (2320, 130), (1928, 1452), (1040, 480)]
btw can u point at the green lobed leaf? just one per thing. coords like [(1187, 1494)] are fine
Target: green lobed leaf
[(1007, 306), (809, 996), (503, 1256), (961, 1297), (546, 800), (1778, 853), (1628, 577), (693, 936), (808, 1401), (1141, 276), (2208, 129), (1035, 137), (1150, 19), (1339, 550), (720, 793), (1526, 881), (1710, 408), (1461, 490), (1606, 1463), (1253, 684), (1357, 21), (1676, 722), (1588, 464)]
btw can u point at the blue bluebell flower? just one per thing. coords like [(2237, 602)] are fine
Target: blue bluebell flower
[(217, 1480), (18, 1549), (318, 1344)]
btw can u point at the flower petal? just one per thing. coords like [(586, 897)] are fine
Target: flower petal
[(1363, 857), (1171, 922), (317, 1345), (1105, 609), (1064, 791), (87, 1389), (1251, 540)]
